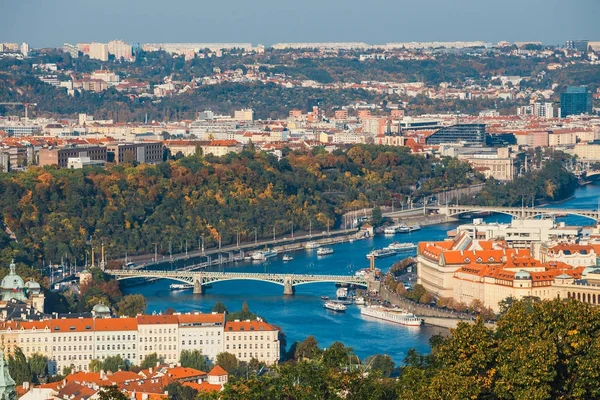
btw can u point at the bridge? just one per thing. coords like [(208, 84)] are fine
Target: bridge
[(199, 279), (517, 212)]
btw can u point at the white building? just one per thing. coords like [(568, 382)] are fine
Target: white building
[(202, 332), (245, 114), (158, 334), (120, 49)]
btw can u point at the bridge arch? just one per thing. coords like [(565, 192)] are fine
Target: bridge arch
[(172, 278), (460, 212), (566, 211)]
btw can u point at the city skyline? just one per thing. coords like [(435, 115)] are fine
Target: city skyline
[(267, 22)]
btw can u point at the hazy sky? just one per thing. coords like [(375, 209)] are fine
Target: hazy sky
[(51, 22)]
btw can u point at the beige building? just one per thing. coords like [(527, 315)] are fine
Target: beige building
[(98, 51), (586, 151), (60, 156), (202, 332), (120, 49), (219, 148), (245, 114), (500, 166), (438, 261), (252, 339)]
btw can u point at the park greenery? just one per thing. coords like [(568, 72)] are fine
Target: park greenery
[(61, 214)]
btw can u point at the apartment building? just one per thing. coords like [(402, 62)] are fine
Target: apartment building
[(144, 152), (60, 156), (252, 339), (202, 332), (158, 334), (75, 342)]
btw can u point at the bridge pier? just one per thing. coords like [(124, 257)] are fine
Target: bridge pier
[(288, 286), (198, 289)]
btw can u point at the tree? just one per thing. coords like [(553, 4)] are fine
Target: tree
[(376, 216), (194, 359), (219, 308), (114, 363), (179, 392), (337, 355), (170, 311), (382, 363), (38, 365), (308, 348), (150, 361), (227, 361), (19, 367), (245, 313), (131, 305), (112, 393), (95, 366)]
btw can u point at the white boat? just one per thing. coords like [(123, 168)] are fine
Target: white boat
[(396, 316), (323, 251), (385, 252), (287, 257), (365, 271), (334, 306), (390, 230), (413, 228), (181, 286), (359, 301), (341, 293), (311, 245), (263, 255), (402, 246), (403, 229)]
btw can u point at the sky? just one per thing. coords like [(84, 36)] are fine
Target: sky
[(50, 23)]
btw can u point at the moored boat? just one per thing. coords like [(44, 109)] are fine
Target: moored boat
[(396, 316), (391, 230), (414, 228), (263, 255), (402, 246), (311, 245), (385, 252), (287, 257)]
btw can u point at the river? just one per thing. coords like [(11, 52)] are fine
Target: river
[(303, 314)]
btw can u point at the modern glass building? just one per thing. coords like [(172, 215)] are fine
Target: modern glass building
[(575, 100), (468, 133)]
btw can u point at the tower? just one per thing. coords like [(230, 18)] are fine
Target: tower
[(7, 383)]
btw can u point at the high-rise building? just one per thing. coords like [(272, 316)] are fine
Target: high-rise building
[(580, 45), (575, 100), (120, 49), (71, 49), (467, 133), (99, 51), (24, 49)]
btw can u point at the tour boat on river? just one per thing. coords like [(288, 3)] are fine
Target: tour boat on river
[(334, 306), (181, 286), (324, 251), (396, 316), (263, 255), (402, 246)]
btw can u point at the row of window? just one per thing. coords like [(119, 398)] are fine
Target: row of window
[(207, 342), (245, 337), (250, 346)]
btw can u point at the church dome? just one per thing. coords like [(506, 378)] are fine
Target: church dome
[(33, 286), (12, 281), (101, 310)]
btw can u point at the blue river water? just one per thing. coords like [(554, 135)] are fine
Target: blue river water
[(303, 314)]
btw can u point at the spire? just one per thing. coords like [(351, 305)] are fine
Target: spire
[(13, 267)]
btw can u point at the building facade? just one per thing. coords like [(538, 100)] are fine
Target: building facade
[(468, 133), (144, 152), (575, 100), (252, 339), (60, 156)]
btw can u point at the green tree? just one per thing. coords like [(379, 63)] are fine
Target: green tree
[(179, 392), (112, 393), (219, 308), (150, 361), (19, 367), (382, 363), (194, 359), (308, 348), (227, 361), (114, 363), (337, 355), (95, 366), (131, 305), (38, 365), (376, 216)]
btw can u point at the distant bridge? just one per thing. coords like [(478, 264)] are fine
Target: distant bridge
[(199, 279), (517, 212)]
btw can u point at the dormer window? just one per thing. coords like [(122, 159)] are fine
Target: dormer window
[(467, 260)]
